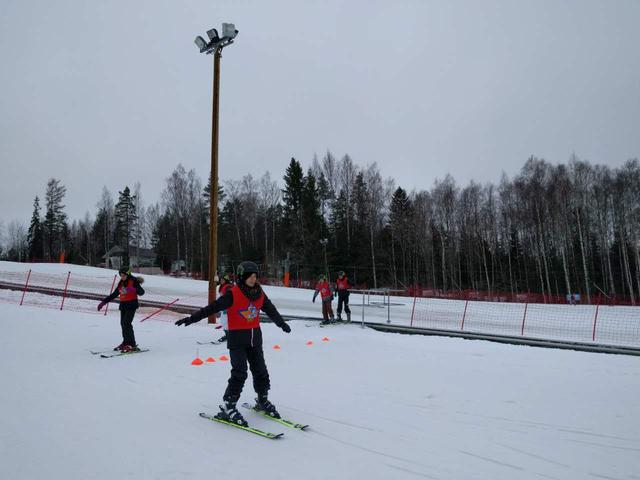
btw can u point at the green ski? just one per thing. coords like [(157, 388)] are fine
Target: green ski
[(272, 436), (282, 421)]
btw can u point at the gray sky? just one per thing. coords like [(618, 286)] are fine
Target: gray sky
[(114, 92)]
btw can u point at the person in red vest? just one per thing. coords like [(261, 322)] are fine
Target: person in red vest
[(243, 303), (323, 288), (342, 290), (128, 290), (225, 285)]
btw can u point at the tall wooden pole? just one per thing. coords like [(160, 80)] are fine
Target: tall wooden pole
[(213, 207)]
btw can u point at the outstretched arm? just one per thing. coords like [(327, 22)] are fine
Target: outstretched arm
[(222, 303)]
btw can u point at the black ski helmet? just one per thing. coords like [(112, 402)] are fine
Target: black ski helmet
[(246, 268), (125, 270), (341, 273)]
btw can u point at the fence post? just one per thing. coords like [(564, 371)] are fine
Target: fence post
[(414, 307), (64, 294), (595, 320), (388, 306), (363, 294), (526, 305), (112, 284), (464, 314), (25, 286)]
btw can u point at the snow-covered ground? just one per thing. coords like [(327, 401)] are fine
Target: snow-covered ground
[(589, 324), (380, 406)]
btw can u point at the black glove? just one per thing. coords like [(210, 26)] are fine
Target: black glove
[(286, 328), (186, 321), (100, 305)]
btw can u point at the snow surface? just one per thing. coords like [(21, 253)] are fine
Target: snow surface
[(380, 406), (617, 325)]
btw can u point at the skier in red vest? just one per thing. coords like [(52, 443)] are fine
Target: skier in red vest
[(243, 303), (324, 289), (342, 290), (128, 290), (225, 285)]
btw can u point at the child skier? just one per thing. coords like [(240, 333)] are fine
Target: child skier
[(243, 303), (323, 288), (225, 285), (342, 290), (129, 289)]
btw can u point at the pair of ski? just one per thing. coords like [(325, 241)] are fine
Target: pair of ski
[(329, 324), (261, 433), (213, 342), (111, 353)]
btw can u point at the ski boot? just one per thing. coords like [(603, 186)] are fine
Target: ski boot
[(229, 413), (339, 317), (129, 348), (263, 404), (348, 316), (118, 348), (222, 338)]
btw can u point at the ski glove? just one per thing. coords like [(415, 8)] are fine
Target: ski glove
[(100, 305), (286, 328), (186, 321)]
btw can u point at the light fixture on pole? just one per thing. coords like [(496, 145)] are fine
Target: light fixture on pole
[(214, 46)]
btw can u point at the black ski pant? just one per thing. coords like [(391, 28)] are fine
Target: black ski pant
[(343, 299), (239, 358), (126, 322)]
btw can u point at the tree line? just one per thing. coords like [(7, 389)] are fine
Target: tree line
[(551, 229)]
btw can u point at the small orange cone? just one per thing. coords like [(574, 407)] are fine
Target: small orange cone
[(325, 339), (224, 358), (197, 361), (210, 360), (276, 347), (309, 343)]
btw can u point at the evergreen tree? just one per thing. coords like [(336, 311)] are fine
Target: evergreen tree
[(55, 221), (34, 236), (125, 221)]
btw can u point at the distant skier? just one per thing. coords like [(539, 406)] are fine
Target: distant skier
[(243, 303), (128, 290), (225, 285), (342, 290), (323, 288)]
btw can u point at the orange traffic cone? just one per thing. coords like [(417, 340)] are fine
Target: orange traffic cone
[(210, 360), (197, 361), (309, 343), (325, 339), (224, 358), (276, 347)]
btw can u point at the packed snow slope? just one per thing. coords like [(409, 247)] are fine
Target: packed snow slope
[(380, 406)]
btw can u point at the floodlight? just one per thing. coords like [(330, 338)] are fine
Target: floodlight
[(200, 43), (229, 30)]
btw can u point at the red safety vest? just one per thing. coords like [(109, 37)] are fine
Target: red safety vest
[(323, 288), (343, 284), (127, 292), (244, 314), (224, 288)]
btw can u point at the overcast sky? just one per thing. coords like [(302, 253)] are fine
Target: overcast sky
[(114, 92)]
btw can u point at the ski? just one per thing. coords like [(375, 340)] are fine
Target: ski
[(330, 324), (121, 354), (282, 421), (94, 352), (262, 433), (214, 342)]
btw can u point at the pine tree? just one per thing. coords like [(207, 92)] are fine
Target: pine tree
[(55, 220), (125, 220), (292, 197), (34, 237)]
